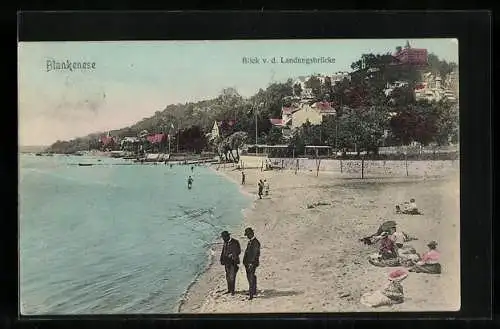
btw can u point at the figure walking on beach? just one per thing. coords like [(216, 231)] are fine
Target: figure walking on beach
[(230, 258), (190, 182), (242, 178), (251, 261), (261, 188), (266, 187)]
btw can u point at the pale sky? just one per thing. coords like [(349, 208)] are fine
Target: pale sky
[(133, 79)]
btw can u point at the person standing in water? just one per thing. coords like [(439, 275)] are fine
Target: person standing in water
[(190, 182), (192, 168)]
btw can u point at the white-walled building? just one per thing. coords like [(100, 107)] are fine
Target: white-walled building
[(294, 117), (433, 88)]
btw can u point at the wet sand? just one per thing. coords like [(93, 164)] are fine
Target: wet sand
[(312, 260)]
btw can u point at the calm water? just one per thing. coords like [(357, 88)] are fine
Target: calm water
[(116, 238)]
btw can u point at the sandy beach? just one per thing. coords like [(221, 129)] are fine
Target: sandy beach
[(312, 259)]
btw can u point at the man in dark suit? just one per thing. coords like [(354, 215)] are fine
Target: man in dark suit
[(230, 258), (251, 261)]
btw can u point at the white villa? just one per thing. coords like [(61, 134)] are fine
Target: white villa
[(295, 116), (433, 88)]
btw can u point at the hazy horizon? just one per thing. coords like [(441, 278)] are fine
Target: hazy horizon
[(133, 80)]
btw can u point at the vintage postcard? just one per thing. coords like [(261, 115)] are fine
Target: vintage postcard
[(251, 176)]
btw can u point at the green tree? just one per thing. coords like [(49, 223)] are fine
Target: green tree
[(297, 89), (314, 83), (363, 129), (274, 136)]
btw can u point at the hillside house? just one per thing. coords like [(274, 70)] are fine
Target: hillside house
[(411, 56), (215, 133), (295, 116), (433, 88)]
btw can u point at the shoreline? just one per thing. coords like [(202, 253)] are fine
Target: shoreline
[(283, 218), (212, 250)]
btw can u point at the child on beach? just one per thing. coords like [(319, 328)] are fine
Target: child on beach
[(392, 293), (242, 178), (266, 187)]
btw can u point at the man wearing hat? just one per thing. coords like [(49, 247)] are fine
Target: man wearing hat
[(230, 258), (251, 261)]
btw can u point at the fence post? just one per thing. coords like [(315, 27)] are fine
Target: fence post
[(406, 163), (362, 167), (318, 163)]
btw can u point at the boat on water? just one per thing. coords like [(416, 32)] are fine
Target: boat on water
[(85, 164), (117, 154)]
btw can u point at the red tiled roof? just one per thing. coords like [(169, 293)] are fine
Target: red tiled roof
[(289, 110), (156, 138), (324, 107), (276, 122)]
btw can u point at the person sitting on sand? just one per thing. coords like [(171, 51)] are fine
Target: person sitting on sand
[(392, 293), (266, 187), (384, 227), (409, 208), (387, 254), (406, 253), (429, 262)]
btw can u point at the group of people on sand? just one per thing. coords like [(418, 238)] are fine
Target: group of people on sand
[(408, 208), (263, 185), (393, 251), (230, 259), (263, 188)]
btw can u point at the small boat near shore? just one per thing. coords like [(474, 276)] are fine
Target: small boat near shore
[(85, 164)]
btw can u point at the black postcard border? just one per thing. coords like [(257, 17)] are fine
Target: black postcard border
[(472, 29)]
